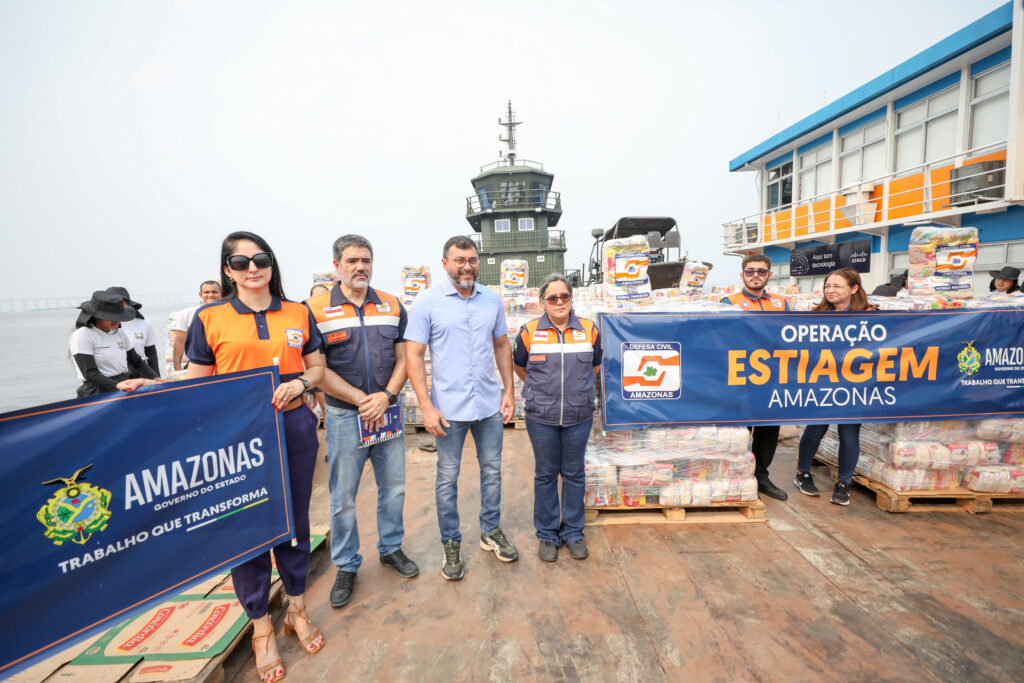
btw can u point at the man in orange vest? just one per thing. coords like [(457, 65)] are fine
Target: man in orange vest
[(364, 340), (755, 272)]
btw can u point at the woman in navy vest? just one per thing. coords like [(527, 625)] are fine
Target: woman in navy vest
[(557, 356)]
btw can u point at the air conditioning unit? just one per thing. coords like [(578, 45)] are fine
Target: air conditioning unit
[(981, 182)]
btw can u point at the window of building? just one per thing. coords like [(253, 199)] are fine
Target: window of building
[(990, 108), (862, 154), (816, 172), (526, 224), (926, 130), (503, 225), (780, 185)]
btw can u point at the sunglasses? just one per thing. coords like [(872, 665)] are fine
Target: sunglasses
[(241, 262), (555, 298), (751, 272)]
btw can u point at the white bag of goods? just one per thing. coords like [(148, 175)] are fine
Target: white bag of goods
[(625, 269), (515, 274), (694, 275), (415, 281), (995, 479), (942, 262)]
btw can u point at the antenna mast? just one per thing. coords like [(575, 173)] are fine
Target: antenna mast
[(510, 136)]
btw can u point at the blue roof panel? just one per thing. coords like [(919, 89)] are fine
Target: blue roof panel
[(992, 24)]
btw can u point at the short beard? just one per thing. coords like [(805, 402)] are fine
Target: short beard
[(457, 281), (356, 285)]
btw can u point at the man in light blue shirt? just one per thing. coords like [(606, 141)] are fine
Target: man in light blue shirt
[(464, 325)]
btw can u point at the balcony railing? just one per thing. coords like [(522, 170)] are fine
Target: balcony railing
[(486, 201), (506, 163), (897, 197), (519, 241)]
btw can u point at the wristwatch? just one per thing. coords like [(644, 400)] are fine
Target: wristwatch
[(305, 383), (392, 399)]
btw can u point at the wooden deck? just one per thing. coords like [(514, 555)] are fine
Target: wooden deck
[(818, 592)]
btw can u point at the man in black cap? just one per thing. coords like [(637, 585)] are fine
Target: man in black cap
[(1005, 281)]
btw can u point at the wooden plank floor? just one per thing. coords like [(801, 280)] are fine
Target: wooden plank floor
[(819, 592)]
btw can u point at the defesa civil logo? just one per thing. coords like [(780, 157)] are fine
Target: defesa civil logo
[(651, 370)]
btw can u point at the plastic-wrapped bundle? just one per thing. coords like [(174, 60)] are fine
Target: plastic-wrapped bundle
[(1001, 429), (947, 430), (640, 446), (694, 275), (625, 269), (909, 480), (1014, 454), (415, 280), (515, 274), (995, 479), (708, 491), (942, 262)]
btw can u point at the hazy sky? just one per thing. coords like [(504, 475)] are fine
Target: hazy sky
[(135, 135)]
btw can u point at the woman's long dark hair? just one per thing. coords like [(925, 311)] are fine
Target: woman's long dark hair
[(858, 300), (227, 287), (1015, 287)]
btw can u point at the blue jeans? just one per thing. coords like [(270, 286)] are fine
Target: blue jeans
[(558, 450), (849, 448), (488, 435), (346, 462)]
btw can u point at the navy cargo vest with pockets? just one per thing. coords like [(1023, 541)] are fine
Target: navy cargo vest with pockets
[(559, 385)]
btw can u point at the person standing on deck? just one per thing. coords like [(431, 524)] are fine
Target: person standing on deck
[(209, 292), (362, 332), (755, 273), (464, 326), (557, 356)]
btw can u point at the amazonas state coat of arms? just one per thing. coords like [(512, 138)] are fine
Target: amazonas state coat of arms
[(76, 511)]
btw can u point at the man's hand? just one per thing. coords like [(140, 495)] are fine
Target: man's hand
[(372, 408), (508, 406), (433, 421)]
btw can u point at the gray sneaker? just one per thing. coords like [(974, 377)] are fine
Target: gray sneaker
[(452, 569), (497, 542)]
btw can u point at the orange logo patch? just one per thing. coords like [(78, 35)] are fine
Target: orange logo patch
[(338, 336), (538, 359)]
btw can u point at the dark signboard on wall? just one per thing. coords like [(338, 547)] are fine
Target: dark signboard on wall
[(828, 257)]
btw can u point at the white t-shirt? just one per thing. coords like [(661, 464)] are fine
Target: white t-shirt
[(109, 349), (141, 334), (178, 321)]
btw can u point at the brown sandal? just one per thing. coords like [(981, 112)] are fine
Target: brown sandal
[(269, 667), (289, 628)]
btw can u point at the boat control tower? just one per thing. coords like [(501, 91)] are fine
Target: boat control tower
[(513, 211)]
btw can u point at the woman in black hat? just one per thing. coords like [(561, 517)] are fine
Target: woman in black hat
[(139, 331), (1004, 281), (103, 353)]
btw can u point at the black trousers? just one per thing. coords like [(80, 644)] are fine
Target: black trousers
[(764, 441)]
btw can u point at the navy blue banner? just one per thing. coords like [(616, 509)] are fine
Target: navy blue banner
[(810, 368), (117, 501)]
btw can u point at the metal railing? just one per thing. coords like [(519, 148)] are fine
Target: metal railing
[(519, 162), (485, 201), (519, 241), (854, 205)]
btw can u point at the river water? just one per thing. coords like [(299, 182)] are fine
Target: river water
[(35, 367)]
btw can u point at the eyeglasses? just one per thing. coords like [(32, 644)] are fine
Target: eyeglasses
[(460, 261), (751, 272), (555, 298), (241, 262)]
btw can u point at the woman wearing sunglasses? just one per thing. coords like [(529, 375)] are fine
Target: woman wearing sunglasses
[(557, 356), (251, 327), (843, 292)]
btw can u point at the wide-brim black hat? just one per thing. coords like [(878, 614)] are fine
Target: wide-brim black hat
[(123, 293), (1007, 273), (108, 306)]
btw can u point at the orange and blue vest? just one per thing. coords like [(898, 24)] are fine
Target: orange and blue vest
[(758, 304), (559, 385), (231, 337), (359, 341)]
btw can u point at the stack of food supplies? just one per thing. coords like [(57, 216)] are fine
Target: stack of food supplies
[(1008, 475), (625, 270), (942, 262), (920, 456), (324, 277), (694, 275), (415, 280), (669, 467)]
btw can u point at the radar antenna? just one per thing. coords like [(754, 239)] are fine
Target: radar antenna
[(510, 136)]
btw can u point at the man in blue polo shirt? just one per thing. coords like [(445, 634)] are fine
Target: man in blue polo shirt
[(464, 326)]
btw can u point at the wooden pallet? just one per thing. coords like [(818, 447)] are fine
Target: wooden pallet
[(716, 513), (945, 500)]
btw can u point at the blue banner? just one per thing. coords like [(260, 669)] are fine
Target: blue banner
[(118, 501), (810, 368)]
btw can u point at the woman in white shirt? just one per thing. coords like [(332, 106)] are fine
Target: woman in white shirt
[(139, 331), (102, 352)]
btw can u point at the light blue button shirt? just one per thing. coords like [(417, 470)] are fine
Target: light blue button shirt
[(460, 334)]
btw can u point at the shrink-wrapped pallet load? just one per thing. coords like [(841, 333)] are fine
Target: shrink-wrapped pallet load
[(942, 262)]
